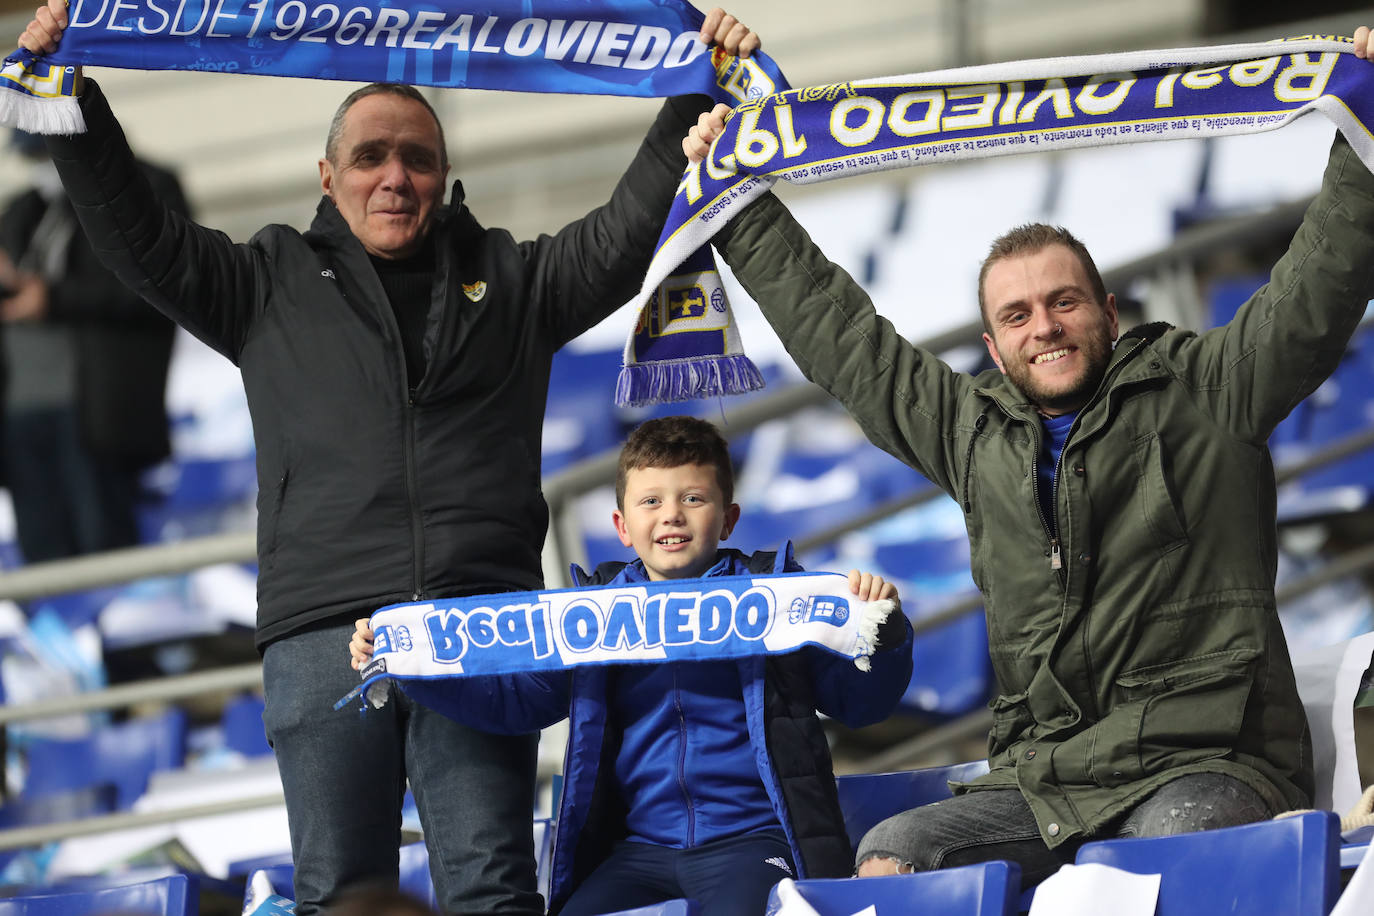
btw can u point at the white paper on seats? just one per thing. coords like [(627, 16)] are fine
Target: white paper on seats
[(1093, 889)]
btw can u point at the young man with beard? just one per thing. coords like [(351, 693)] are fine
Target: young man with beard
[(1120, 508)]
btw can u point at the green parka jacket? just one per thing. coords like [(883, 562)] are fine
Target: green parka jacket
[(1154, 650)]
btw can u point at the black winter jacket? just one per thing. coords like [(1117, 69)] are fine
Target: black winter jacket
[(371, 493)]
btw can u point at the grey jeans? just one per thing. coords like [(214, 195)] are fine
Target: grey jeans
[(997, 824)]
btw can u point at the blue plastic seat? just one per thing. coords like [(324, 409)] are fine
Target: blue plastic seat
[(1289, 866), (243, 729), (985, 889), (951, 671), (173, 895), (414, 876), (680, 907), (867, 799), (123, 755)]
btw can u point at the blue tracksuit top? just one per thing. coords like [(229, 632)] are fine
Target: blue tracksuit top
[(686, 765)]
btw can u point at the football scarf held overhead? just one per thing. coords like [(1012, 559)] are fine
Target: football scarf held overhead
[(817, 134), (645, 48), (722, 617)]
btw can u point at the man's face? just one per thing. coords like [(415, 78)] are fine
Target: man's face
[(1050, 336), (674, 518), (389, 176)]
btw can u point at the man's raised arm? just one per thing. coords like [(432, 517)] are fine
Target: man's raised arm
[(906, 400)]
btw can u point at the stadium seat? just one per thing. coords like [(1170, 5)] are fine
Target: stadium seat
[(123, 755), (243, 729), (415, 879), (414, 875), (173, 895), (579, 421), (1287, 866), (869, 798), (985, 889), (192, 496), (667, 908), (951, 671)]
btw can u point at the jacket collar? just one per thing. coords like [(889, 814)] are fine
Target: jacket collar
[(728, 562)]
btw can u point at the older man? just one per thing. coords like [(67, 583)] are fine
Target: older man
[(1119, 498), (396, 361)]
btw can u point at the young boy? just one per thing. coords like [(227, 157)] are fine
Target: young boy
[(710, 780)]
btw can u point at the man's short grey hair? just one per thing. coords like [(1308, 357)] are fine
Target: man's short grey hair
[(331, 143)]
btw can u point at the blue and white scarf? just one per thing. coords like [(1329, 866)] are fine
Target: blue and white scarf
[(644, 48), (835, 131), (721, 617)]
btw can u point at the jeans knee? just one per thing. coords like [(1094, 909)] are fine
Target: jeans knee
[(878, 864)]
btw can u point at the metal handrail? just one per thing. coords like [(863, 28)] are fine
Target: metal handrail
[(39, 834), (116, 567), (216, 680)]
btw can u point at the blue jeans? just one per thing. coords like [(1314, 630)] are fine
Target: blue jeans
[(344, 776), (726, 878), (992, 824)]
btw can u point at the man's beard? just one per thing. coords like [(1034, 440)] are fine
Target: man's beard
[(1095, 352)]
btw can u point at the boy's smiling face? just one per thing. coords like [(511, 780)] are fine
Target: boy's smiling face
[(674, 518)]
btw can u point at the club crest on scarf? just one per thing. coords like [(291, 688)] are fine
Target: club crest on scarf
[(831, 609), (743, 79), (685, 344)]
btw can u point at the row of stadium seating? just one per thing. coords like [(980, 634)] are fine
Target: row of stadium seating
[(1291, 866)]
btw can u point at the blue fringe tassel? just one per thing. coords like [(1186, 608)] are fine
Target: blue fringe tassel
[(644, 384)]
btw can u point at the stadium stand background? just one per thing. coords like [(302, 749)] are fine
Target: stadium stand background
[(246, 148)]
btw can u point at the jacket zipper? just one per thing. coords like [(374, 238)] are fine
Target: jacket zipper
[(417, 554), (1056, 560), (682, 763), (968, 456), (1051, 533)]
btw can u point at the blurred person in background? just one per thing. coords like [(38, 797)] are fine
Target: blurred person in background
[(86, 372)]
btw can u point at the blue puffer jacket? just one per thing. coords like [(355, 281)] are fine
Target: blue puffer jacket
[(781, 696)]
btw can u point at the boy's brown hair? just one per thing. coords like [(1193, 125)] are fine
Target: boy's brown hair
[(669, 442)]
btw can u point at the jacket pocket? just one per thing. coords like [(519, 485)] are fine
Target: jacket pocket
[(1011, 722), (269, 526), (1173, 714), (1156, 495)]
